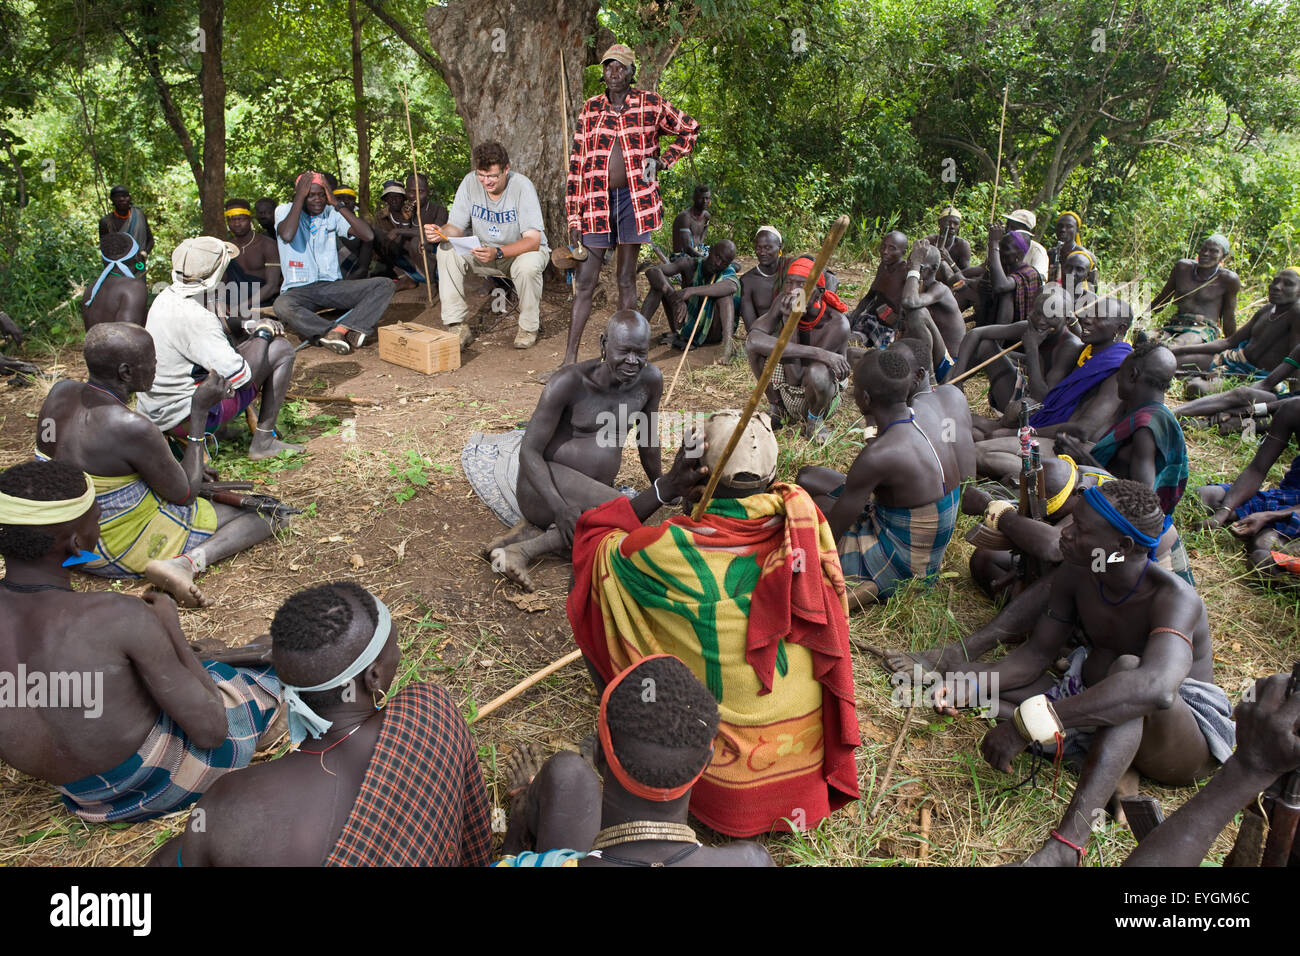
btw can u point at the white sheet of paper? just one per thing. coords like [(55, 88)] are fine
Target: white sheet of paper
[(465, 245)]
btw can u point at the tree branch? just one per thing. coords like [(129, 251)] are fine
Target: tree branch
[(404, 35)]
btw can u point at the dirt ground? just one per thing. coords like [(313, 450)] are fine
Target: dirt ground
[(388, 506)]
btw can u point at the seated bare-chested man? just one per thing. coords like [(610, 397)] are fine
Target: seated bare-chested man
[(252, 277), (691, 225), (573, 447), (12, 334), (954, 251), (1049, 351), (651, 751), (120, 293), (152, 522), (814, 369), (704, 310), (1144, 680), (335, 800), (1270, 339), (875, 316), (761, 285), (1204, 294), (893, 514), (923, 290), (1267, 520), (1086, 401), (133, 724), (354, 253)]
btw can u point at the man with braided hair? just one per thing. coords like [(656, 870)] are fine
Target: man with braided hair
[(656, 732), (119, 294), (153, 726), (1144, 678), (378, 780), (893, 514), (814, 369)]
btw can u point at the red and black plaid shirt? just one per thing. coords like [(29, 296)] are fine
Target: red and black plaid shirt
[(647, 116), (422, 802)]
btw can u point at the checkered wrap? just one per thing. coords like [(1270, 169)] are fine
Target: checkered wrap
[(422, 802), (638, 128)]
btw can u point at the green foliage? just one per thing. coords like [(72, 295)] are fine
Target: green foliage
[(411, 469)]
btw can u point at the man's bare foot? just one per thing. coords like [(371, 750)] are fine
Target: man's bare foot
[(902, 662), (512, 564), (522, 531), (266, 445), (1054, 853), (862, 597), (523, 764), (176, 577)]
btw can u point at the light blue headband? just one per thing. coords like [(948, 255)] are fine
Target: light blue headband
[(114, 264), (1121, 524), (302, 719)]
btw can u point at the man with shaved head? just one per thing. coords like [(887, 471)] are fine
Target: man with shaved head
[(152, 522), (573, 447), (710, 288), (876, 314), (119, 294), (923, 290), (1204, 295)]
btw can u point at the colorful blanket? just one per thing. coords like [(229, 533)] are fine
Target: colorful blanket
[(1186, 322), (888, 546), (136, 526), (751, 598), (422, 802), (1171, 450), (168, 772), (1064, 397)]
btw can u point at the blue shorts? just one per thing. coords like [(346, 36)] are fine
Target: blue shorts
[(622, 220)]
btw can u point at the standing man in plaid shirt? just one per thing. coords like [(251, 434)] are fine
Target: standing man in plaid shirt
[(612, 197)]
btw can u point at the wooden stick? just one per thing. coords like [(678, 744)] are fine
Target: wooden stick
[(971, 371), (997, 170), (686, 351), (923, 851), (564, 107), (893, 757), (810, 284), (528, 682), (419, 219)]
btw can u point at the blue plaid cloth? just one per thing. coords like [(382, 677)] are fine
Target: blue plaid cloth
[(888, 545), (1285, 495), (168, 772)]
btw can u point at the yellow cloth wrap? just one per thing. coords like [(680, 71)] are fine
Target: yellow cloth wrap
[(136, 526), (1295, 269), (24, 511), (237, 211), (1084, 356), (1054, 503), (345, 191)]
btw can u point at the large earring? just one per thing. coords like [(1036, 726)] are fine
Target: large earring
[(379, 704)]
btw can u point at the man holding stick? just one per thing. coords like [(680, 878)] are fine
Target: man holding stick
[(612, 196), (709, 296)]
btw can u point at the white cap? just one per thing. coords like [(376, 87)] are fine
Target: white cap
[(1025, 216), (199, 263)]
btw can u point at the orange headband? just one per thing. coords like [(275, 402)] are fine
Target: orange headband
[(634, 787)]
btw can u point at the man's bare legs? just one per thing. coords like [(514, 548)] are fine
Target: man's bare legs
[(1166, 746), (271, 376), (582, 492), (1240, 399), (585, 287), (237, 531), (559, 810)]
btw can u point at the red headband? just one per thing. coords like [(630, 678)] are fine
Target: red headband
[(634, 787), (802, 268)]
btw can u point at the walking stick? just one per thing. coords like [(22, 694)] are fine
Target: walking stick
[(791, 323), (528, 682), (419, 218), (997, 171), (686, 351)]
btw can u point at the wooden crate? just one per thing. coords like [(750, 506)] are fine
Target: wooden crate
[(419, 347)]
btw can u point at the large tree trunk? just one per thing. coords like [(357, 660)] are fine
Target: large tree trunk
[(359, 114), (212, 84), (501, 62)]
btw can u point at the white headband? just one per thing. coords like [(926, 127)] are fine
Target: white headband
[(772, 230), (302, 719)]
